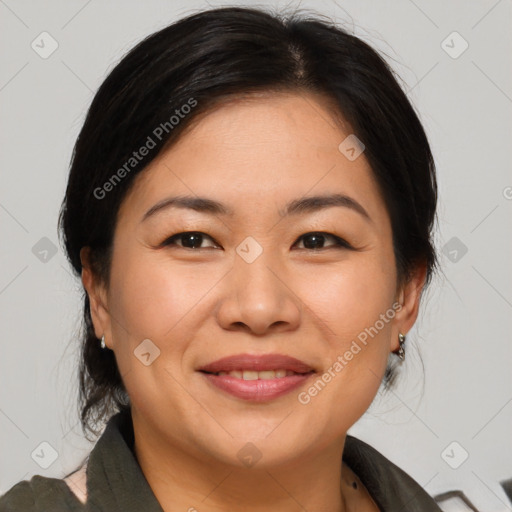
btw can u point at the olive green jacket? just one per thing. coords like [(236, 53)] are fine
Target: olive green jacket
[(115, 482)]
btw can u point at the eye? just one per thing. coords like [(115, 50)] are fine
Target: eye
[(315, 240), (194, 239), (188, 240)]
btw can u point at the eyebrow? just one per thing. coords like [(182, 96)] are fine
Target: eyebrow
[(296, 207)]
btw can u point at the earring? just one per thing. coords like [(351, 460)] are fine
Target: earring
[(103, 341), (401, 351)]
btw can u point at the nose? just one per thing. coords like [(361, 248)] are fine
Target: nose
[(259, 298)]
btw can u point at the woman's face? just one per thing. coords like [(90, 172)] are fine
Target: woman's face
[(255, 281)]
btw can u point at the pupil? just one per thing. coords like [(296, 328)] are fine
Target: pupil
[(315, 237), (196, 239)]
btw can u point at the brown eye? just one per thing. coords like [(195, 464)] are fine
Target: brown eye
[(312, 241), (315, 241), (187, 240)]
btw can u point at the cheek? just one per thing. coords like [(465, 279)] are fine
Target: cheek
[(151, 299), (353, 295), (152, 294), (354, 309)]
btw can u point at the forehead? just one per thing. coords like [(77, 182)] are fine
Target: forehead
[(284, 122), (268, 148)]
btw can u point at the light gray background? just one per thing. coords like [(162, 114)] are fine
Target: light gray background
[(463, 333)]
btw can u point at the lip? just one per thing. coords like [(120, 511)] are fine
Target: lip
[(259, 390), (258, 362)]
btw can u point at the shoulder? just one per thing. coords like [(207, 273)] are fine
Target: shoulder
[(18, 497), (40, 494), (390, 486)]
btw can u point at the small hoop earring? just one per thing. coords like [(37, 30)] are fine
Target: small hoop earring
[(103, 341), (401, 351)]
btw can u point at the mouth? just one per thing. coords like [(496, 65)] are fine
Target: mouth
[(258, 375), (257, 378)]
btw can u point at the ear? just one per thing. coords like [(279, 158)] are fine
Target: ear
[(97, 298), (408, 295)]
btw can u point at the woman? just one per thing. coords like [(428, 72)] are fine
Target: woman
[(250, 208)]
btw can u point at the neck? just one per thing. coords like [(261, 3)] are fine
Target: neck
[(196, 482)]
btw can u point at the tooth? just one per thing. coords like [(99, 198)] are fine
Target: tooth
[(250, 375), (254, 375)]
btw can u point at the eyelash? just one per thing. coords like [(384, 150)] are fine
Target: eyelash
[(339, 242)]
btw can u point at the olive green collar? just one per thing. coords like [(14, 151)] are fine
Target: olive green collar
[(115, 482)]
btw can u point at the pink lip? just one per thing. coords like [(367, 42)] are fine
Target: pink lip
[(257, 390), (259, 363)]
